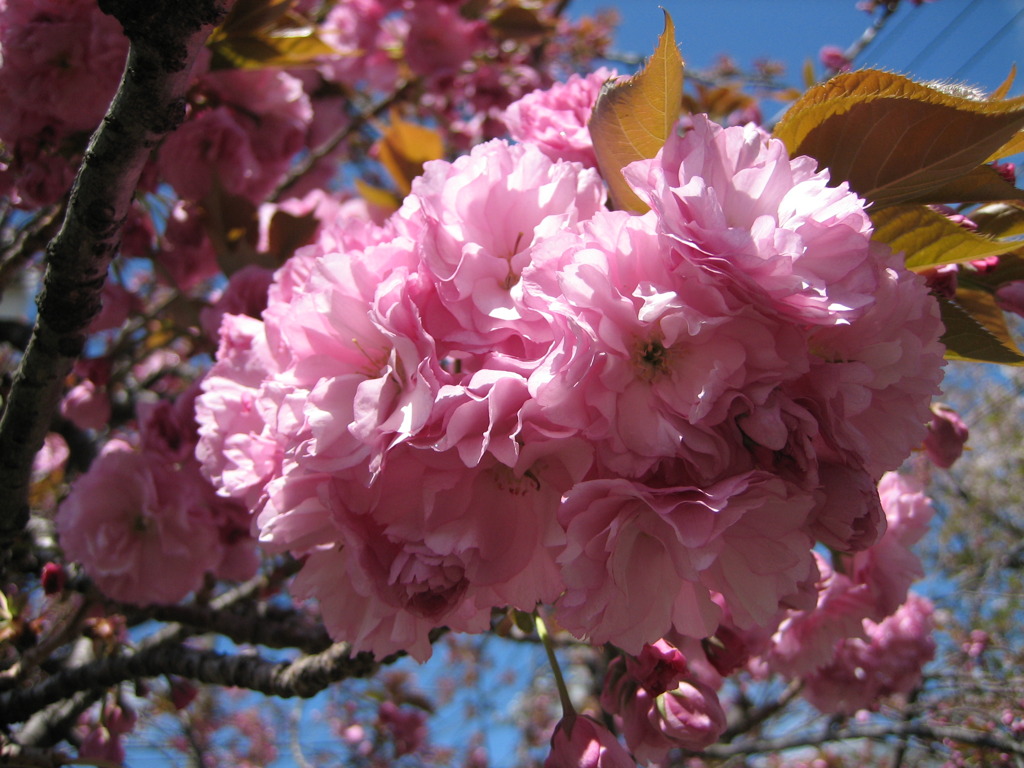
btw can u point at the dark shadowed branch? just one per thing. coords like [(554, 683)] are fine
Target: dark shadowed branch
[(165, 37)]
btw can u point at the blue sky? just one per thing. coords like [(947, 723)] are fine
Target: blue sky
[(974, 41)]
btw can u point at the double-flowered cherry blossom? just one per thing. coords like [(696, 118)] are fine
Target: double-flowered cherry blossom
[(507, 394)]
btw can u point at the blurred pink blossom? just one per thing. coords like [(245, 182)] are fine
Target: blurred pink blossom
[(947, 435), (555, 119), (581, 742)]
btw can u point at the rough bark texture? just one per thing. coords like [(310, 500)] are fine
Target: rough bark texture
[(165, 36), (305, 677)]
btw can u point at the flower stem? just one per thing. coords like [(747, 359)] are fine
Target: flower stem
[(563, 693)]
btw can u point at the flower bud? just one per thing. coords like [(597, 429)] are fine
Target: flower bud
[(947, 434), (690, 716), (580, 742)]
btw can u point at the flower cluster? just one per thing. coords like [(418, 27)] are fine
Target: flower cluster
[(507, 393), (145, 524)]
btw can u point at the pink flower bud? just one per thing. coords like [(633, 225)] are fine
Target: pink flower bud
[(834, 59), (690, 716), (580, 742), (183, 692), (120, 720), (101, 744), (947, 434)]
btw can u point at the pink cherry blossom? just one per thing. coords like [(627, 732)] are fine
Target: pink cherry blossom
[(87, 405), (440, 39), (475, 259), (889, 661), (555, 119), (639, 561), (133, 530), (890, 567), (732, 201)]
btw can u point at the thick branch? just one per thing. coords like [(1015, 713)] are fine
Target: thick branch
[(262, 625), (305, 677), (165, 37)]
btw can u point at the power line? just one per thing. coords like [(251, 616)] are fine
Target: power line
[(988, 43), (927, 50), (894, 32)]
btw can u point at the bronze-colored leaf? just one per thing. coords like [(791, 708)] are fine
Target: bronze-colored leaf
[(976, 330), (232, 224), (982, 185), (894, 140), (1013, 147), (266, 33), (247, 17), (377, 197), (632, 119), (405, 147), (291, 48), (1004, 219), (1006, 85), (513, 22), (929, 239), (287, 233)]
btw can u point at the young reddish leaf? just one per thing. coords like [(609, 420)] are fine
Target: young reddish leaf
[(405, 147), (287, 233), (514, 22), (976, 330), (632, 119), (929, 239), (894, 140), (232, 224)]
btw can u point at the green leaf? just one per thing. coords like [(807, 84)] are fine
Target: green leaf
[(976, 330), (897, 141), (632, 119), (929, 239)]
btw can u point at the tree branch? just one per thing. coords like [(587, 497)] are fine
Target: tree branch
[(165, 37), (921, 729), (305, 676)]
